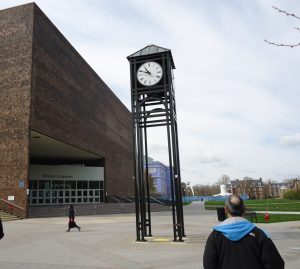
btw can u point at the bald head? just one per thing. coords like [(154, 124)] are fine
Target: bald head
[(235, 205)]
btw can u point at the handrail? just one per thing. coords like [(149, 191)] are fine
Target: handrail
[(124, 197), (116, 199), (11, 203), (156, 200)]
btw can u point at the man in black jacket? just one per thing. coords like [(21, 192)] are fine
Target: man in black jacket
[(238, 244)]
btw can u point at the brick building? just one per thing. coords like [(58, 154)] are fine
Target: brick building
[(254, 188), (64, 135), (276, 190)]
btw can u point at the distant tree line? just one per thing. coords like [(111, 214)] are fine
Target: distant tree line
[(245, 187), (203, 190), (292, 194)]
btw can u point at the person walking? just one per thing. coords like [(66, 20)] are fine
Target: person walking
[(72, 223), (237, 243)]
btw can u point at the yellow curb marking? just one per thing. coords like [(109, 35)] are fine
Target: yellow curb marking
[(160, 240)]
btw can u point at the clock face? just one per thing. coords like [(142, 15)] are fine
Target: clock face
[(149, 73)]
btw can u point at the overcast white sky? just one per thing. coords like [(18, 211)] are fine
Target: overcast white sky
[(238, 98)]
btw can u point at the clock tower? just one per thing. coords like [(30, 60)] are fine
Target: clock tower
[(153, 105)]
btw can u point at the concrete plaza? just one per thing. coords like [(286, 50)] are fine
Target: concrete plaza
[(109, 242)]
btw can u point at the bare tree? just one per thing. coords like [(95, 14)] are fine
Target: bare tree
[(297, 28), (224, 179), (269, 180), (152, 188), (205, 190), (288, 180), (247, 178)]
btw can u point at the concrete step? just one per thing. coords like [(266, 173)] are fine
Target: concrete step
[(7, 216), (40, 211)]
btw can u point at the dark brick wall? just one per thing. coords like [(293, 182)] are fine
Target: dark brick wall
[(72, 104), (15, 83)]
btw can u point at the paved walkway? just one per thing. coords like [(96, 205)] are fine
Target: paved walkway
[(109, 242)]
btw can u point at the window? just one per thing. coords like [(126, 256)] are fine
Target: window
[(152, 170), (70, 184), (33, 184), (82, 184), (45, 185), (57, 184), (65, 191), (94, 185)]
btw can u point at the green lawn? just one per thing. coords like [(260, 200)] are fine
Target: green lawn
[(263, 205)]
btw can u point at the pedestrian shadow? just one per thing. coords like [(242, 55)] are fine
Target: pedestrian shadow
[(83, 231)]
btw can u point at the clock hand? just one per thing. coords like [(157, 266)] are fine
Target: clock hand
[(147, 71)]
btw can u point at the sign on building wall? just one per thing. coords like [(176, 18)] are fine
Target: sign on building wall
[(66, 172)]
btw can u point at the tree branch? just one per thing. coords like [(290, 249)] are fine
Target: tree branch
[(282, 45), (286, 13), (297, 28)]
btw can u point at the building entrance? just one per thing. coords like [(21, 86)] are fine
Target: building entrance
[(64, 184)]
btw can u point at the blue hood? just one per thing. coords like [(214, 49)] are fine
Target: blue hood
[(235, 229)]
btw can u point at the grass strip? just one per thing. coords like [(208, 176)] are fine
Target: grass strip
[(264, 204), (274, 218)]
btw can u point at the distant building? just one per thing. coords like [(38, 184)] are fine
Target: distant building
[(276, 190), (161, 177), (256, 189), (295, 185)]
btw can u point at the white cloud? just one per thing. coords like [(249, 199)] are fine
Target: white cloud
[(290, 140), (237, 97)]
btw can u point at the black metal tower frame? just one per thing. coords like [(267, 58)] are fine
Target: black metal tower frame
[(152, 107)]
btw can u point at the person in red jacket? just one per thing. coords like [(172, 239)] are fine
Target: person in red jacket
[(72, 223), (237, 243)]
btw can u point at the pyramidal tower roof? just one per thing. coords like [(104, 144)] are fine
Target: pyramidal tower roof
[(151, 49)]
